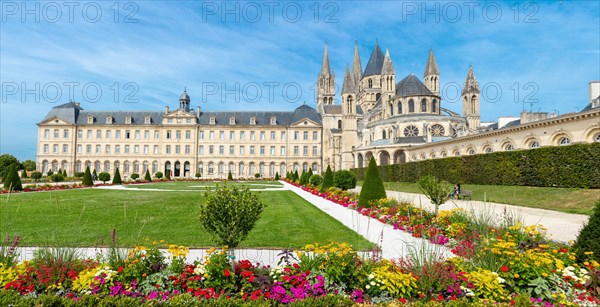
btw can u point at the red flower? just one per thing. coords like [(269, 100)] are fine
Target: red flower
[(504, 268), (120, 269), (226, 273)]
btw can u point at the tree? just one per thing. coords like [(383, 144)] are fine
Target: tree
[(36, 176), (64, 173), (277, 176), (168, 175), (296, 176), (158, 175), (87, 177), (588, 239), (436, 190), (12, 180), (117, 177), (24, 173), (229, 176), (147, 176), (29, 165), (316, 180), (49, 173), (344, 179), (229, 214), (372, 188), (198, 174), (135, 176), (58, 177), (257, 175), (6, 160), (95, 175), (104, 177), (327, 179)]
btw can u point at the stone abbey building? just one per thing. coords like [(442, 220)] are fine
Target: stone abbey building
[(395, 121)]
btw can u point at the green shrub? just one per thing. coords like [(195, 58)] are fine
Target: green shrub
[(168, 175), (58, 177), (257, 175), (36, 176), (344, 180), (296, 177), (277, 176), (95, 175), (160, 175), (64, 173), (87, 177), (12, 180), (198, 175), (229, 214), (117, 177), (147, 176), (77, 174), (327, 179), (49, 173), (372, 188), (104, 177), (436, 190), (24, 174), (230, 176), (316, 180), (304, 178), (135, 176), (588, 239)]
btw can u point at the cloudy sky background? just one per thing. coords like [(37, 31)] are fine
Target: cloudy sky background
[(539, 52)]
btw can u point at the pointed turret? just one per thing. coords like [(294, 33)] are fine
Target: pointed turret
[(471, 84), (325, 67), (431, 68), (375, 62), (356, 66), (349, 84), (388, 66), (184, 100)]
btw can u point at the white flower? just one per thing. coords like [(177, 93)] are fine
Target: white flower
[(368, 287)]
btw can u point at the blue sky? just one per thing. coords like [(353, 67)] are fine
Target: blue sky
[(267, 56)]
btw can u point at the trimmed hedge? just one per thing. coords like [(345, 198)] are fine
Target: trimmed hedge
[(573, 166)]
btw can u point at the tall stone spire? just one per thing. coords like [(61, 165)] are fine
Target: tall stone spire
[(388, 66), (356, 66), (431, 68), (325, 68), (349, 84), (471, 84)]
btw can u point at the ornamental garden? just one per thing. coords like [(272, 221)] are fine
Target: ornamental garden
[(149, 225)]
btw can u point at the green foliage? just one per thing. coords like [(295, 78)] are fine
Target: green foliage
[(304, 178), (327, 179), (229, 214), (588, 239), (160, 175), (12, 180), (64, 173), (229, 176), (436, 190), (29, 165), (147, 176), (36, 176), (296, 176), (78, 174), (344, 179), (6, 160), (372, 188), (87, 177), (573, 166), (135, 176), (24, 174), (257, 175), (49, 173), (117, 177), (316, 180), (95, 175), (277, 176), (168, 175), (104, 177), (198, 174), (58, 177)]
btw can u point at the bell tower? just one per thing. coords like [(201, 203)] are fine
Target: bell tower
[(470, 99), (325, 84)]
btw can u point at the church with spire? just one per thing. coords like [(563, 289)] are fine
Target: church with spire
[(375, 110)]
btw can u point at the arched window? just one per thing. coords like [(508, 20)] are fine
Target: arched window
[(391, 109), (411, 106), (349, 104), (106, 166), (211, 168), (423, 105), (564, 141), (509, 147), (489, 150), (340, 124), (383, 135), (597, 138), (370, 83), (434, 106), (399, 107), (534, 144), (473, 104)]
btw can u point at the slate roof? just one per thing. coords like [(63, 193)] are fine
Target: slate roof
[(412, 86), (332, 109), (380, 142), (73, 113), (409, 140), (431, 68), (375, 62)]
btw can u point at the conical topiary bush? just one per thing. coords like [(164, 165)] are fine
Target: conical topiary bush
[(87, 177), (327, 179), (372, 188)]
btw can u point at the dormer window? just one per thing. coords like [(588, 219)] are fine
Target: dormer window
[(128, 120), (252, 121), (90, 120), (212, 120), (109, 120), (232, 120), (147, 120), (273, 120)]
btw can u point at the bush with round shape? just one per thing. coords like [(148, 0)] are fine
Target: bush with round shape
[(117, 177), (36, 176), (58, 177), (257, 175), (135, 176), (87, 177), (344, 180), (229, 214), (104, 177), (159, 175), (198, 175), (316, 180), (147, 176), (372, 188), (327, 179)]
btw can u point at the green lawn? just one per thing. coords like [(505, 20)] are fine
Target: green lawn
[(559, 199), (86, 217), (204, 185)]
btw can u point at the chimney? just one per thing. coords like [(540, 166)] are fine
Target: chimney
[(594, 93), (166, 109), (198, 114)]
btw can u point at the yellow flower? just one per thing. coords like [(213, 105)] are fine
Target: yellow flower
[(589, 253), (517, 275)]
